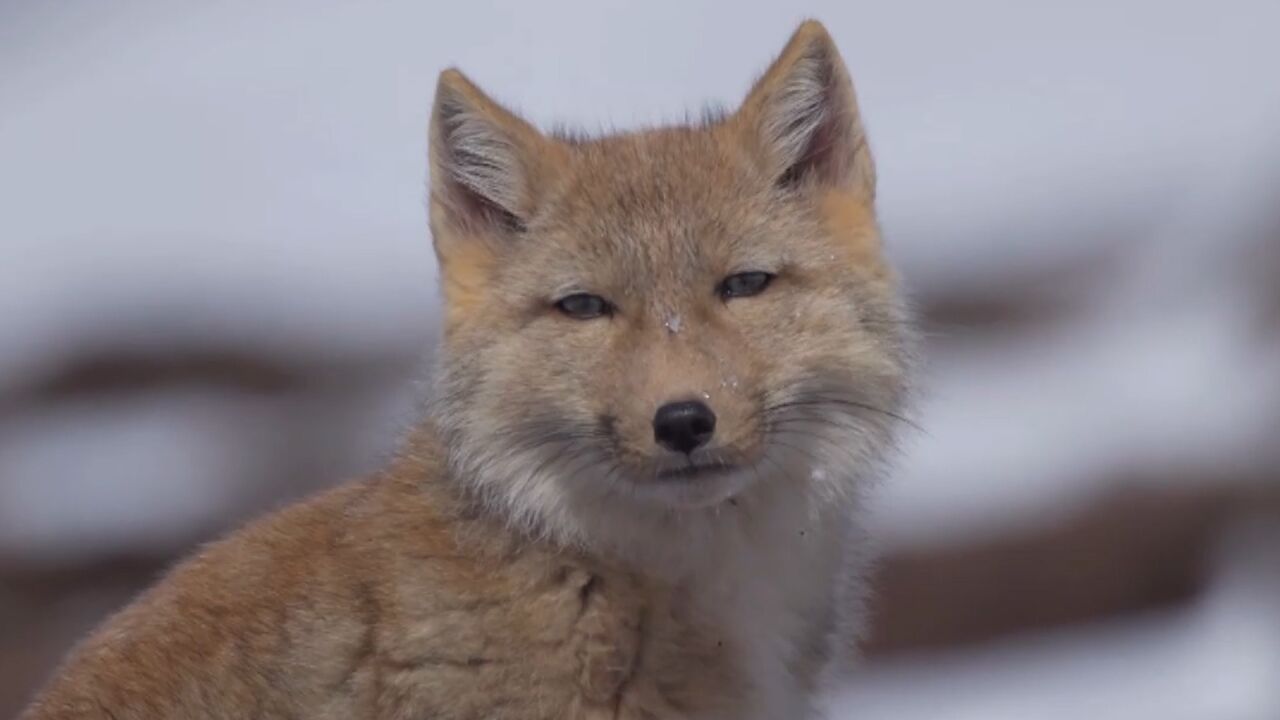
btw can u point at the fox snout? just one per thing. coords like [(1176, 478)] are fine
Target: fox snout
[(683, 426)]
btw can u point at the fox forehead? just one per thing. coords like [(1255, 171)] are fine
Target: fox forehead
[(783, 183), (654, 211), (657, 175), (657, 209)]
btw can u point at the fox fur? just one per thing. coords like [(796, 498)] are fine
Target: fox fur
[(531, 552)]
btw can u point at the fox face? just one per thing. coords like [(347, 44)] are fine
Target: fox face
[(654, 323)]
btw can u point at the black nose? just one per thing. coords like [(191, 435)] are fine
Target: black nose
[(683, 426)]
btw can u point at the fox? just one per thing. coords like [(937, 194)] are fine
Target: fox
[(672, 362)]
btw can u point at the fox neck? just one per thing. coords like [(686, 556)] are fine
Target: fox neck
[(773, 569), (667, 543)]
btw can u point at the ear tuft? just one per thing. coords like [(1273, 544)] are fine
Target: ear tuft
[(483, 158), (802, 116)]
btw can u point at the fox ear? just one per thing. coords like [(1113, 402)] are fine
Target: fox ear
[(484, 160), (801, 117)]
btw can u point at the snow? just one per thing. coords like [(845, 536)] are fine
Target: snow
[(1218, 658)]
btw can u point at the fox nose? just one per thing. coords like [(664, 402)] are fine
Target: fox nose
[(683, 426)]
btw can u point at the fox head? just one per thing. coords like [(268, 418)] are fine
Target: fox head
[(655, 324)]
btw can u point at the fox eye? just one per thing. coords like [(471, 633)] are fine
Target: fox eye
[(744, 284), (584, 306)]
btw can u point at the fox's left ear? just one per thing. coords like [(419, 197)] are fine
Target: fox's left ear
[(801, 117)]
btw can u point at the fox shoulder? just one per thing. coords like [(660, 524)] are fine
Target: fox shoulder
[(379, 599)]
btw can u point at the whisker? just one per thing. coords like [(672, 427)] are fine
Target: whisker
[(825, 399)]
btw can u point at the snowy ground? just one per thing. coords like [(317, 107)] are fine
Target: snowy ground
[(1217, 659)]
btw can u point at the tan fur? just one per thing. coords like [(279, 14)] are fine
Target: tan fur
[(383, 599), (521, 558)]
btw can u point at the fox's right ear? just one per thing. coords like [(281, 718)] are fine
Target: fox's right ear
[(485, 161)]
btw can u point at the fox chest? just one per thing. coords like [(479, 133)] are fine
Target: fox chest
[(580, 646)]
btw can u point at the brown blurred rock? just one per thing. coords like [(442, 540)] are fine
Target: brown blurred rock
[(1131, 551)]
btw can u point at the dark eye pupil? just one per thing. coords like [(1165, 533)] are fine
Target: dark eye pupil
[(745, 284), (583, 306)]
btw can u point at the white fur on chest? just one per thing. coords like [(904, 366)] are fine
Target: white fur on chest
[(772, 586)]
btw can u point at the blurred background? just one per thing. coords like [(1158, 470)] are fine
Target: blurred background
[(217, 291)]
